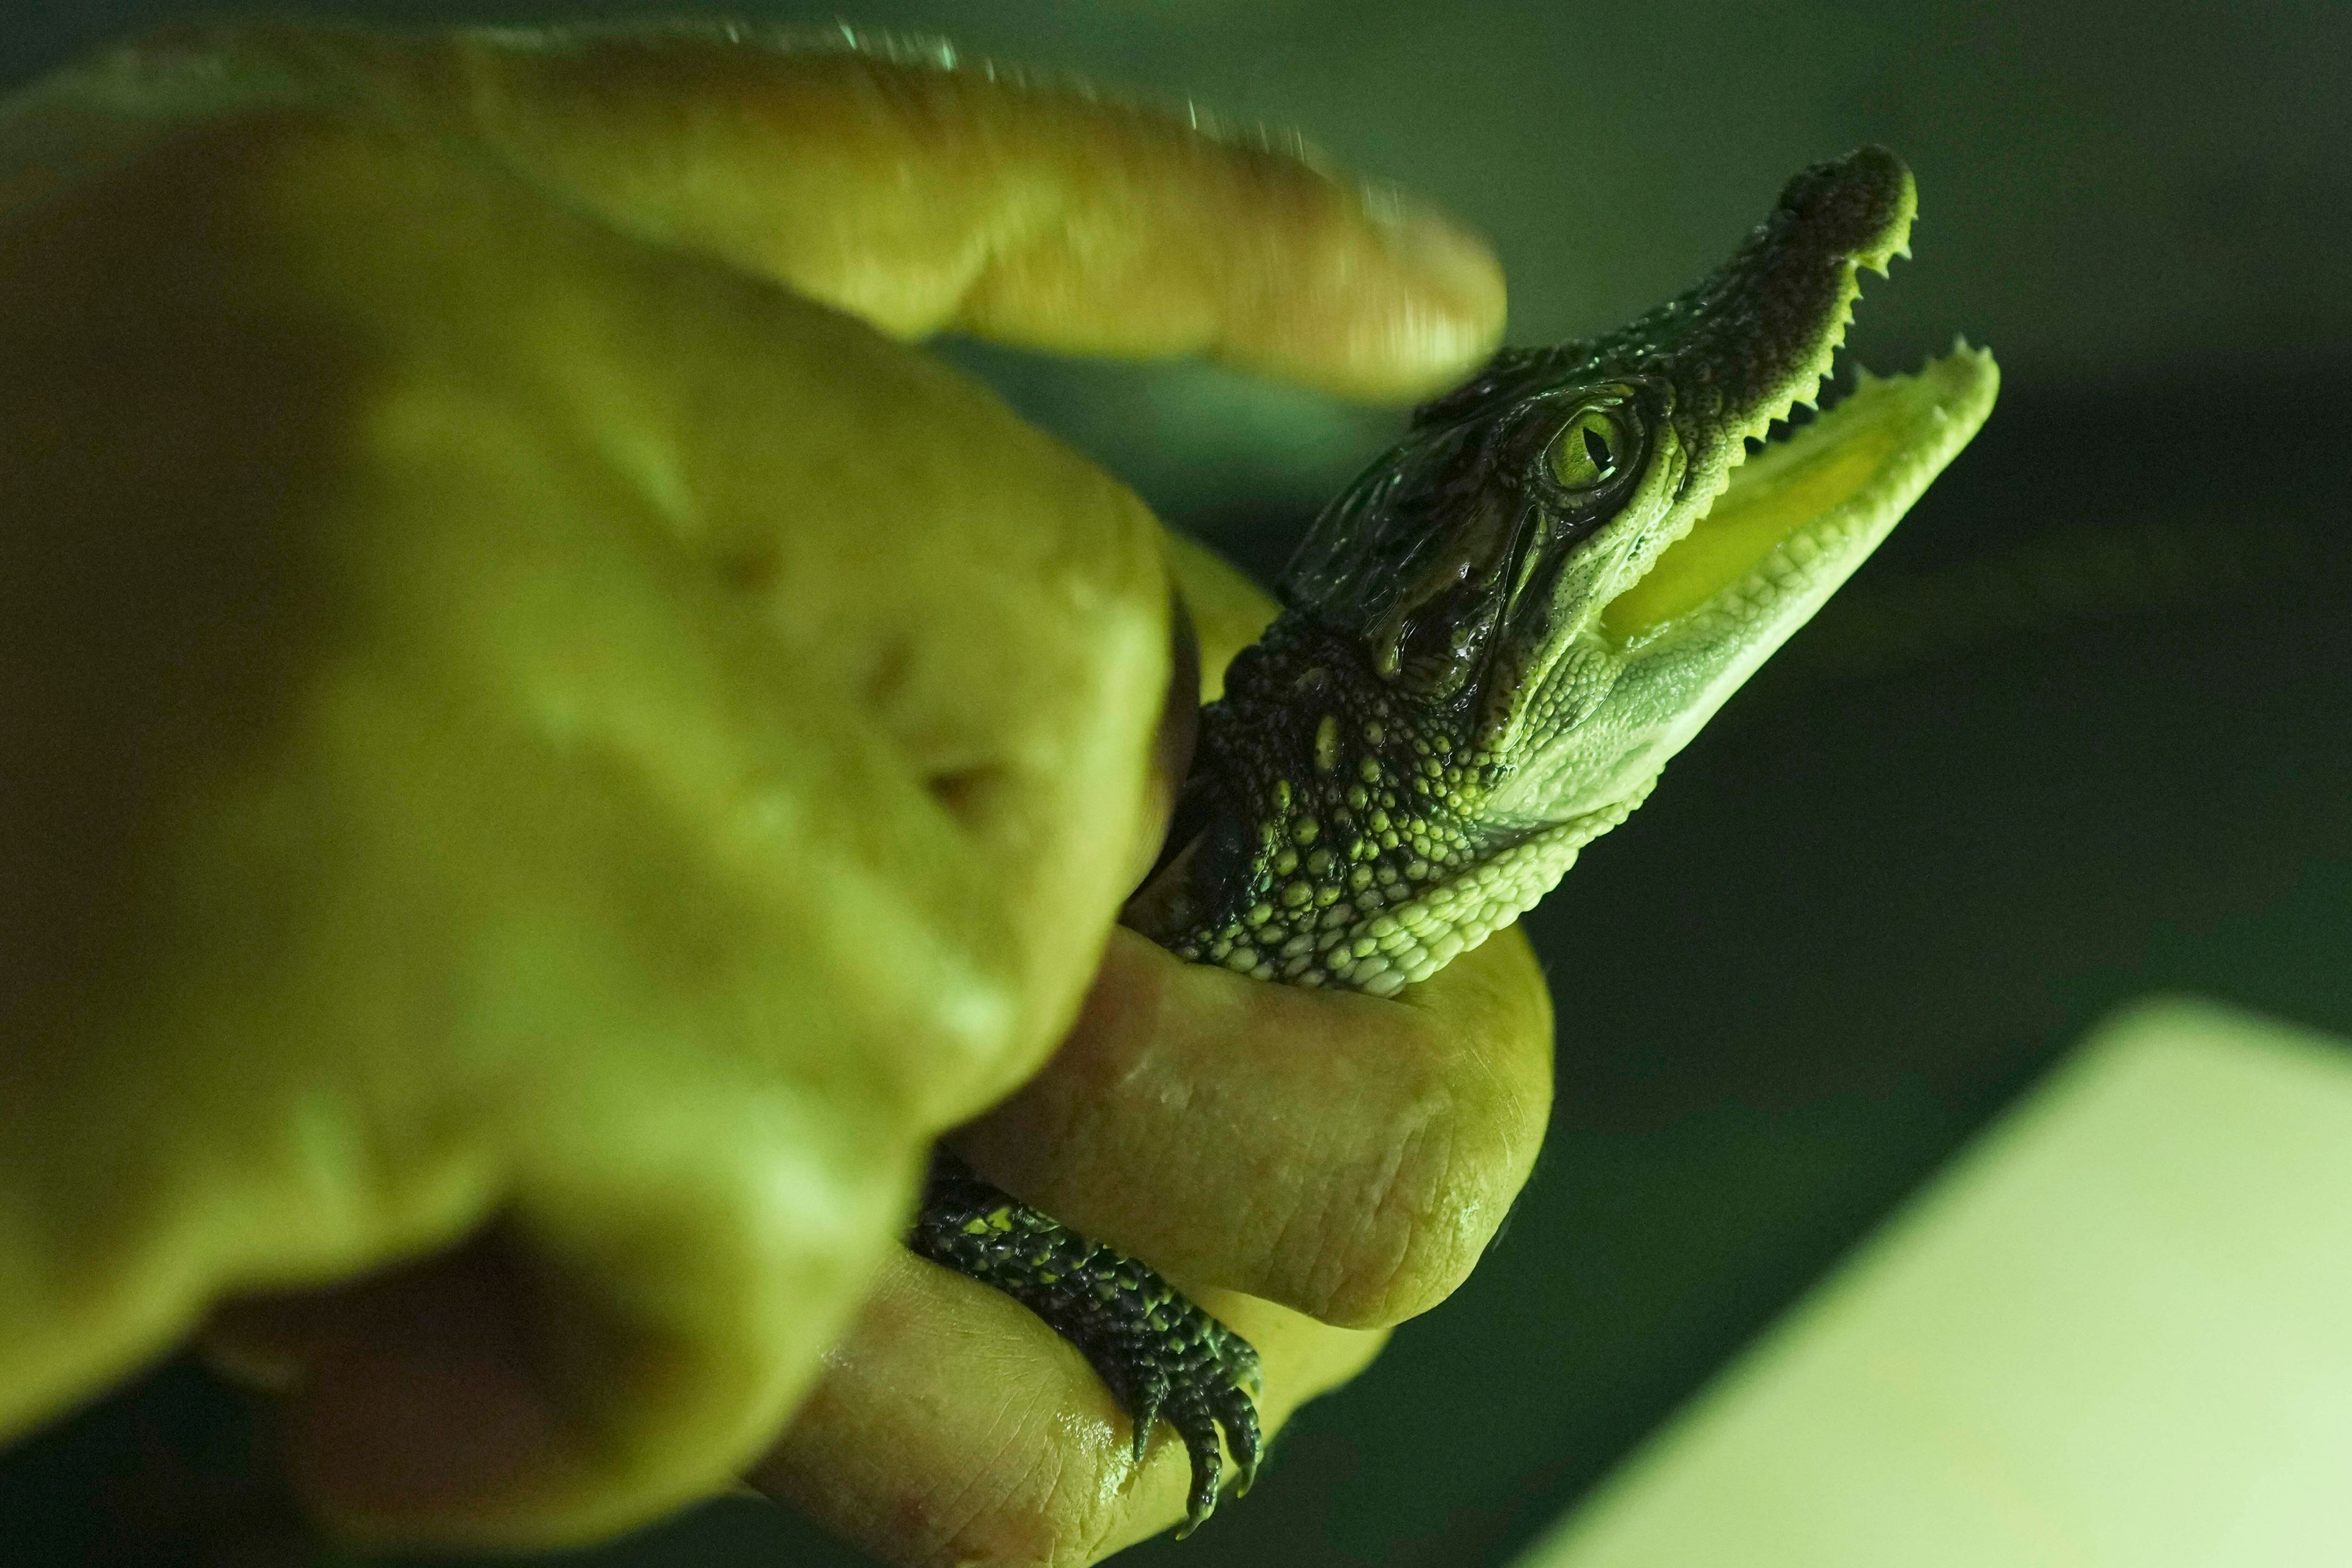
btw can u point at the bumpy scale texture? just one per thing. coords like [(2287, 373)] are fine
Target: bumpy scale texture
[(1338, 830), (1367, 866), (1161, 1355)]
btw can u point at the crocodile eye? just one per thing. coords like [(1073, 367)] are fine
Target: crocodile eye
[(1587, 452)]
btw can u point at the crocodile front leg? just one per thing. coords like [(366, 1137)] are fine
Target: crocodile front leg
[(1492, 641), (1161, 1355)]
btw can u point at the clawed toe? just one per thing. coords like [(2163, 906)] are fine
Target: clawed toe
[(1160, 1356)]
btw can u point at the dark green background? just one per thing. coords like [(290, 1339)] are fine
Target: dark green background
[(2078, 734)]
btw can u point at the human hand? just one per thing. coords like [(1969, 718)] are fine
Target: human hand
[(1310, 1165), (525, 733)]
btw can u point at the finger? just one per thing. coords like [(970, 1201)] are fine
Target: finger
[(908, 651), (1172, 744), (419, 1380), (620, 1346), (952, 1426), (924, 198), (1347, 1156)]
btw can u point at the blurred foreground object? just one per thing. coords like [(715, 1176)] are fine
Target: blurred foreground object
[(2113, 1334)]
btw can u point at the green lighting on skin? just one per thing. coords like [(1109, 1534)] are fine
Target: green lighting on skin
[(2113, 1336)]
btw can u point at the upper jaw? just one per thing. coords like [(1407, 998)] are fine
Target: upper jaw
[(1681, 599), (1790, 527), (1428, 534), (1582, 667), (1709, 369)]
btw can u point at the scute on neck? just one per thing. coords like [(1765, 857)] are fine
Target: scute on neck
[(1341, 843)]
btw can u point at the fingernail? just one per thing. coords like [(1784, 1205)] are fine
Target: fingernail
[(1457, 262), (1450, 313)]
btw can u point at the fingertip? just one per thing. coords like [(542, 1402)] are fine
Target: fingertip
[(951, 1425), (594, 1359), (921, 197), (416, 1415), (437, 1409), (414, 1445), (1495, 987), (1456, 265), (1441, 314)]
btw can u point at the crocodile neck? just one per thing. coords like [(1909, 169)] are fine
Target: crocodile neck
[(1344, 841)]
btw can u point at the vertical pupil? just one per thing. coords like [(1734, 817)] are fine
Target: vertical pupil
[(1597, 449)]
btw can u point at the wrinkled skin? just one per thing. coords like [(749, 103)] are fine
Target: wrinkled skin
[(1491, 644), (563, 765), (1308, 1245)]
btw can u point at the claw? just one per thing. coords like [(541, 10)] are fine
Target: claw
[(1161, 1357), (1238, 1413), (1146, 1415), (1199, 1429)]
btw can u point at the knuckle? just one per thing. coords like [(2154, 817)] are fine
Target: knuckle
[(1414, 1216), (1389, 1250)]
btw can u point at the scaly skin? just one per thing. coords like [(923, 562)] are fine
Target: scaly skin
[(1492, 641)]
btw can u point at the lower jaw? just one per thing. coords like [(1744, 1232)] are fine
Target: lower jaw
[(1800, 515)]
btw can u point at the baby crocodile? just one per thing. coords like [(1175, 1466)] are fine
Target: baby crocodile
[(1492, 642)]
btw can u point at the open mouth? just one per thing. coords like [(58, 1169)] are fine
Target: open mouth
[(1797, 516), (1801, 514), (1806, 506)]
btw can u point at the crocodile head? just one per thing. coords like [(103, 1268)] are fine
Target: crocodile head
[(1497, 635)]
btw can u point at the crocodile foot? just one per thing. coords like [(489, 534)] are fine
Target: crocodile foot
[(1161, 1356)]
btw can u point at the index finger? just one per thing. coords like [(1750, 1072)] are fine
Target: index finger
[(921, 196)]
